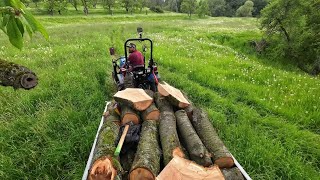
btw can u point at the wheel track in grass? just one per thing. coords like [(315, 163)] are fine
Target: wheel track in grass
[(301, 143)]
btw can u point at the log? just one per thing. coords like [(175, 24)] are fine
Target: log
[(197, 151), (183, 169), (188, 109), (105, 166), (152, 112), (134, 98), (111, 114), (232, 174), (146, 164), (17, 76), (162, 103), (174, 95), (168, 135), (128, 81), (211, 140), (128, 114)]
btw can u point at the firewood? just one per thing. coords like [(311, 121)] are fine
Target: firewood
[(104, 164), (17, 76), (174, 95), (197, 151), (232, 173), (152, 111), (211, 140), (162, 103), (180, 168), (134, 98), (146, 164), (168, 135), (188, 109), (128, 114)]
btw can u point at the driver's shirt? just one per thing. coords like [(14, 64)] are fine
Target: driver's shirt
[(136, 59)]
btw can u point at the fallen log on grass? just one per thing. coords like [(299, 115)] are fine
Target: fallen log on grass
[(232, 173), (134, 98), (105, 165), (197, 151), (211, 140), (174, 96), (146, 164), (17, 76), (152, 111)]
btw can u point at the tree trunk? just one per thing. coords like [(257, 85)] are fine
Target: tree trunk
[(232, 174), (174, 96), (211, 140), (146, 164), (162, 103), (17, 76), (128, 114), (105, 165), (197, 151), (168, 135), (188, 109), (152, 112)]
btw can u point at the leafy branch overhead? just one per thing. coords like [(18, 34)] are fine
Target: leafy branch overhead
[(15, 19)]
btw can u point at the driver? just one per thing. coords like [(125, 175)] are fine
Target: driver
[(135, 58)]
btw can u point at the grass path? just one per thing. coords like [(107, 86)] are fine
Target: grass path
[(267, 113)]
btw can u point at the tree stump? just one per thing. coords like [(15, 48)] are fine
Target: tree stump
[(197, 151), (211, 140)]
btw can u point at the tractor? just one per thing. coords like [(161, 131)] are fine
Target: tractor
[(145, 77)]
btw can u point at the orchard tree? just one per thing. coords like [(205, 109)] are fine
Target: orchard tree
[(245, 10), (189, 6), (217, 7), (75, 4), (293, 29), (203, 8), (128, 5), (109, 4)]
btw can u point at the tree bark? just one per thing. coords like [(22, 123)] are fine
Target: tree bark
[(128, 114), (146, 164), (17, 76), (211, 140), (232, 174), (162, 103), (134, 97), (188, 109), (105, 165), (197, 151), (168, 135), (152, 112)]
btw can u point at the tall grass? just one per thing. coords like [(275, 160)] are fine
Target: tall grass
[(267, 113)]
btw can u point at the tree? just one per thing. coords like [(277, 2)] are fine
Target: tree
[(258, 6), (75, 4), (36, 2), (203, 8), (232, 6), (245, 10), (293, 28), (109, 4), (189, 6), (217, 7)]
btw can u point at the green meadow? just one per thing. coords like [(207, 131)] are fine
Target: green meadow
[(265, 110)]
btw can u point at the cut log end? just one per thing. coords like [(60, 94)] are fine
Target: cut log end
[(224, 162), (154, 115), (141, 173), (177, 152), (102, 169), (130, 117), (28, 81)]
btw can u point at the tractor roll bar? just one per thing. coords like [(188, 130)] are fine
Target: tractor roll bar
[(139, 39)]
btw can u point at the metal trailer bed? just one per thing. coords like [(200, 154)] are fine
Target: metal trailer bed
[(89, 162)]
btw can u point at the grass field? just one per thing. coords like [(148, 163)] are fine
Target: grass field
[(267, 113)]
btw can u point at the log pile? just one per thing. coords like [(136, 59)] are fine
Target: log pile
[(176, 140)]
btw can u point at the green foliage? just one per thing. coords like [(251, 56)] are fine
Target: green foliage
[(156, 9), (203, 8), (292, 27), (217, 7), (189, 6), (258, 6), (15, 19), (232, 6), (245, 10)]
